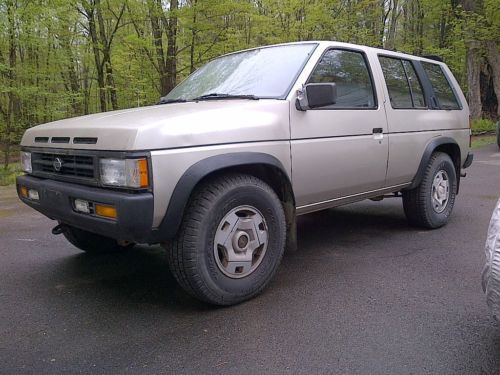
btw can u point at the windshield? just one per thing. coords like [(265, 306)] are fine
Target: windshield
[(262, 73)]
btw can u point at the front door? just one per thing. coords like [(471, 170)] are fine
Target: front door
[(340, 150)]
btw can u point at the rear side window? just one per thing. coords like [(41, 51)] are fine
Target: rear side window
[(405, 90), (415, 86), (349, 71), (442, 89)]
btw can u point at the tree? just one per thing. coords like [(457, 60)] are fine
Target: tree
[(12, 110), (101, 34), (61, 58)]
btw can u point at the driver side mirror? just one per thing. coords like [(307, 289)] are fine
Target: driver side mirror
[(316, 95)]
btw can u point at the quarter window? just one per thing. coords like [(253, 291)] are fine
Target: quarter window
[(442, 89), (405, 90), (349, 71)]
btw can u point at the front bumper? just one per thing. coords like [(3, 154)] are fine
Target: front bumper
[(134, 211)]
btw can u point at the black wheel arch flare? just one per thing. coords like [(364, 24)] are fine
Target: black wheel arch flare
[(199, 171), (444, 144)]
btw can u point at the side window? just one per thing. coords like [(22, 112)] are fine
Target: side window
[(397, 83), (405, 90), (349, 71), (415, 86), (442, 89)]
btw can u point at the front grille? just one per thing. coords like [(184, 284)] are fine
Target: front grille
[(80, 166), (85, 140), (59, 139)]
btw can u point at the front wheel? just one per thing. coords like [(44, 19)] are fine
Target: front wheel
[(429, 205), (231, 240)]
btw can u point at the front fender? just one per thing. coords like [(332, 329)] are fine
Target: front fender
[(195, 174)]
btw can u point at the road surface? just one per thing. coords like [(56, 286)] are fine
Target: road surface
[(365, 293)]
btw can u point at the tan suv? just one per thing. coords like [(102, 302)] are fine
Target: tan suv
[(219, 170)]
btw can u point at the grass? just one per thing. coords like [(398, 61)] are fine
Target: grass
[(483, 133), (483, 140), (8, 176), (483, 126)]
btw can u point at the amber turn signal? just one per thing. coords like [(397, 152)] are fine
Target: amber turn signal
[(105, 211), (23, 191), (142, 167)]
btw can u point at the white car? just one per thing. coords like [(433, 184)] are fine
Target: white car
[(491, 272)]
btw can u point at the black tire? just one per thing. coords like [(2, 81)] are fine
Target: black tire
[(191, 254), (93, 243), (418, 202)]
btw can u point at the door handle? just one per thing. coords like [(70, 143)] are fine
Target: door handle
[(378, 134)]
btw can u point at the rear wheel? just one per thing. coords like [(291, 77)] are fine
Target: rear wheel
[(430, 204), (231, 240), (93, 243)]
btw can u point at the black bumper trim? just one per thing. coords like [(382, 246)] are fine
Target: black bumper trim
[(135, 211), (468, 161)]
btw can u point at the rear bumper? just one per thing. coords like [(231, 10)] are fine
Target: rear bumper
[(134, 211)]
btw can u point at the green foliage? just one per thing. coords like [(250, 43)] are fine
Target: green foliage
[(483, 140), (483, 126), (49, 69), (8, 175)]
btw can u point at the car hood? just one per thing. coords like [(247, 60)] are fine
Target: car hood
[(168, 126)]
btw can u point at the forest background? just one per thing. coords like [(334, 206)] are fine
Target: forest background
[(64, 58)]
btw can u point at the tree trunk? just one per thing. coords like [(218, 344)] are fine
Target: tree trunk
[(473, 79), (86, 89), (72, 73), (493, 57), (488, 97), (106, 55), (13, 102), (419, 28), (473, 63), (171, 61), (90, 14), (154, 13), (193, 37), (46, 113), (385, 6), (443, 29), (391, 37)]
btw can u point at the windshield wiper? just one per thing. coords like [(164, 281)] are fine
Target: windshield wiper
[(216, 95), (168, 101)]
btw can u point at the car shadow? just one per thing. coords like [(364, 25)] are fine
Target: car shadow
[(141, 275), (351, 224), (136, 276)]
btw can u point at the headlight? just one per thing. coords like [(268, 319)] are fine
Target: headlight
[(125, 172), (26, 162)]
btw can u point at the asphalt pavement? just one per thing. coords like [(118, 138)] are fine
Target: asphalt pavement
[(365, 293)]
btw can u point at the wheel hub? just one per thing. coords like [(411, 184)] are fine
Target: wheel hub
[(440, 191), (240, 241)]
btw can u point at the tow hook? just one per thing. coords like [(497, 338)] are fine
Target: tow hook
[(59, 229), (124, 243)]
